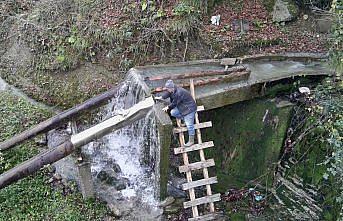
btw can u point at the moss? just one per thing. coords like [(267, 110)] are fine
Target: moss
[(245, 146)]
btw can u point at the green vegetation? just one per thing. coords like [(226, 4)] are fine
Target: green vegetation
[(336, 52), (33, 198)]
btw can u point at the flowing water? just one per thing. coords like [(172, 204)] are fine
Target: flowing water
[(135, 149)]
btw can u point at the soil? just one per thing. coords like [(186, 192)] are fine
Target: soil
[(65, 88)]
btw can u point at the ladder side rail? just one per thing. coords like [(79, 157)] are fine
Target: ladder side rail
[(201, 151), (188, 174)]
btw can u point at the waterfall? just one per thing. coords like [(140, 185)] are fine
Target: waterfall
[(135, 148)]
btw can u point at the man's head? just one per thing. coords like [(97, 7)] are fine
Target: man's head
[(170, 86)]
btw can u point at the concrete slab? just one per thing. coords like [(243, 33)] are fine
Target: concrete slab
[(263, 69)]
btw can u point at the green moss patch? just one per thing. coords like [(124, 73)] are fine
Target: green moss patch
[(248, 137)]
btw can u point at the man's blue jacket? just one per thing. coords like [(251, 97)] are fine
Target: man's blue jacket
[(181, 99)]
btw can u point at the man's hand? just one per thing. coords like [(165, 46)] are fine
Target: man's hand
[(165, 109)]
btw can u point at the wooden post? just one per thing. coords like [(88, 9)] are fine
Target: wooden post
[(83, 169)]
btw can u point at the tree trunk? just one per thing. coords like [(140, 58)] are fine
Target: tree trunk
[(58, 119)]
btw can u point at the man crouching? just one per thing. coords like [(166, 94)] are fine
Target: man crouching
[(182, 107)]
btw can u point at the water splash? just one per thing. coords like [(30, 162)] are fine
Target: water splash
[(134, 148)]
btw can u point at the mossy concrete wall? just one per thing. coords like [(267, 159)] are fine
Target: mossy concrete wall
[(248, 137), (164, 127)]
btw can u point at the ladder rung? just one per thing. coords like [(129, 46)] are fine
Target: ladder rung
[(193, 147), (200, 108), (207, 217), (197, 183), (202, 200), (196, 126), (196, 166)]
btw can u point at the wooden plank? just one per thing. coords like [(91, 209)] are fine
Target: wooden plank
[(193, 147), (196, 126), (191, 191), (130, 115), (198, 183), (207, 217), (196, 166), (202, 200), (199, 74), (201, 151), (233, 77)]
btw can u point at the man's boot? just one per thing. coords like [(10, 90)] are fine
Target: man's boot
[(190, 141)]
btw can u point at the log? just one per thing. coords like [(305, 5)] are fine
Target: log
[(198, 74), (236, 76), (58, 120), (35, 163), (50, 156)]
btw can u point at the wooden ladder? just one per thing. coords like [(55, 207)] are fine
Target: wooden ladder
[(203, 164)]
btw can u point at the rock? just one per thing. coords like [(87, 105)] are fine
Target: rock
[(169, 200), (175, 192), (115, 210), (324, 24), (284, 10), (116, 168), (107, 176), (171, 210), (175, 207), (120, 184)]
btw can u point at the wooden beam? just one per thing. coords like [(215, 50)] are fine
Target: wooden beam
[(129, 116), (193, 147), (198, 74), (234, 77), (196, 126), (202, 200), (196, 166), (197, 183), (59, 119)]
